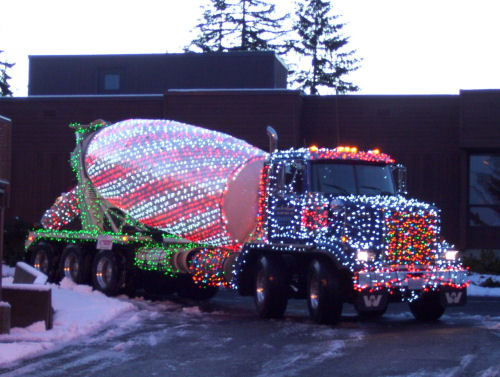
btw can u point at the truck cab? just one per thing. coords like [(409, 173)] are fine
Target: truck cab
[(338, 223)]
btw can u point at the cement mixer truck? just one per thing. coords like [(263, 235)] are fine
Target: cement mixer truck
[(172, 207)]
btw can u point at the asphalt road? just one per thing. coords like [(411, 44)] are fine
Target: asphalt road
[(224, 338)]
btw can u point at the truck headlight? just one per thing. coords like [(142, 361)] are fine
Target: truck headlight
[(365, 255), (450, 255)]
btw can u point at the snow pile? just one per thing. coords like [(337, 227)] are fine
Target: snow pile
[(78, 310), (475, 288), (40, 277)]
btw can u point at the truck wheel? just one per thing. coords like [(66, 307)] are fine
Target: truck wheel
[(43, 259), (106, 273), (323, 293), (271, 295), (72, 264), (427, 308)]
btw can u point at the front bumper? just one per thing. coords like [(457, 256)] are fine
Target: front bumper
[(419, 278)]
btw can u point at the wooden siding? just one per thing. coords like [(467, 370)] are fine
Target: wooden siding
[(154, 73), (42, 143), (426, 133), (480, 119), (5, 153), (479, 133), (420, 132), (243, 114)]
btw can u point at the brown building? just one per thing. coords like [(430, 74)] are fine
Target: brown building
[(5, 127), (154, 73), (450, 144)]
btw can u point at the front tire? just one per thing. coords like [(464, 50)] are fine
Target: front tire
[(106, 273), (73, 264), (427, 308), (270, 294), (323, 293)]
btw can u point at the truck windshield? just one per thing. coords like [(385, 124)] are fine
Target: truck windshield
[(332, 177)]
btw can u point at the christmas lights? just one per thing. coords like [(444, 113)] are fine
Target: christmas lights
[(392, 231), (170, 175), (63, 211), (183, 180)]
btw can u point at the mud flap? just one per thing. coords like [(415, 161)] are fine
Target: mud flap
[(371, 301), (453, 296)]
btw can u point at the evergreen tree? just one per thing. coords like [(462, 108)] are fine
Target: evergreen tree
[(214, 29), (238, 25), (4, 77), (320, 49)]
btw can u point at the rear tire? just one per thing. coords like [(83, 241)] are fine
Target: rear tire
[(72, 264), (106, 273), (427, 308), (271, 294), (43, 258), (323, 293)]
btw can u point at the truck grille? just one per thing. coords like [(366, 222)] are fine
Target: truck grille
[(411, 237)]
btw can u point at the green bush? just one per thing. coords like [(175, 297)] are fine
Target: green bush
[(487, 263), (15, 233)]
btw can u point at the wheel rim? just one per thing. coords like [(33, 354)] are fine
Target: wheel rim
[(314, 291), (104, 272), (71, 266), (260, 293), (41, 262)]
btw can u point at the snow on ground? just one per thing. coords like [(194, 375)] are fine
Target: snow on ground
[(81, 311), (78, 311), (475, 289)]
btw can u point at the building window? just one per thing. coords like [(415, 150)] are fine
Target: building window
[(111, 81), (484, 190)]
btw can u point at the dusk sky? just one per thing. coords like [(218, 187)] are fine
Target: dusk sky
[(408, 47)]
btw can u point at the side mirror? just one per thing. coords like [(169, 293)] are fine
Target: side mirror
[(401, 179)]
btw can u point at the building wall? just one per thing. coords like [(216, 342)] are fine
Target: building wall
[(42, 142), (431, 135), (420, 132), (244, 114), (154, 73), (479, 133), (5, 154)]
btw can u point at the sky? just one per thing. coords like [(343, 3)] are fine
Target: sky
[(407, 46)]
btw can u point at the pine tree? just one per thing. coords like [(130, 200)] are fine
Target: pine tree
[(4, 77), (320, 49), (239, 25), (214, 29)]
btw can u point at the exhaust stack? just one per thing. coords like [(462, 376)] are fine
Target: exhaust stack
[(273, 139)]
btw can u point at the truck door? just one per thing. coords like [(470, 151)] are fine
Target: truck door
[(287, 185)]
